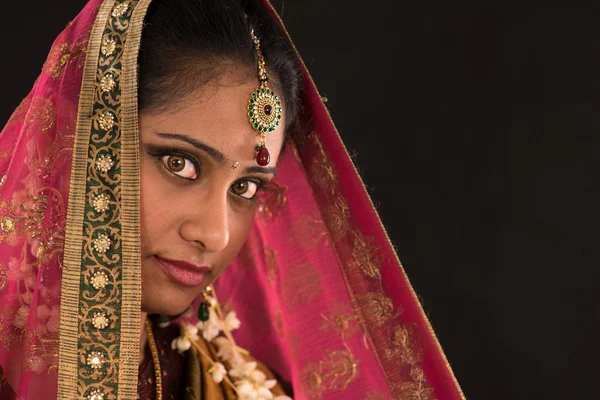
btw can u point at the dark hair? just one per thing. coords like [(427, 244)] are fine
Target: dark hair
[(187, 43)]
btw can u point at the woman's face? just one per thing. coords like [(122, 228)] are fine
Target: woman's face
[(196, 208)]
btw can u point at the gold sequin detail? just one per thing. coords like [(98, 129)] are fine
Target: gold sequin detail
[(2, 180), (95, 359), (108, 47), (41, 251), (101, 202), (7, 224), (104, 163), (108, 83), (106, 120), (96, 394), (120, 9), (99, 280), (3, 283), (102, 243), (100, 320)]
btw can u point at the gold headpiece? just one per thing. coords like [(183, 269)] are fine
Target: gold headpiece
[(264, 107)]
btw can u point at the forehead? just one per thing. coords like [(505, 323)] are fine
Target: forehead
[(217, 113)]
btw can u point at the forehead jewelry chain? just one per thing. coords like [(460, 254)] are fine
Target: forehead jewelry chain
[(264, 107)]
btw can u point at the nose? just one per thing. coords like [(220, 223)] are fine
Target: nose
[(207, 223)]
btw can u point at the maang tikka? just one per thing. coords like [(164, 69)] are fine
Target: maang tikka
[(264, 107)]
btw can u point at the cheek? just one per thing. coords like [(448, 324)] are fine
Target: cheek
[(240, 226)]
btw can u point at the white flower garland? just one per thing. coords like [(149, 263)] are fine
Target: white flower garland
[(248, 382)]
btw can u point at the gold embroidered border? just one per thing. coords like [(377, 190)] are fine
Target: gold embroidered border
[(68, 362), (130, 209)]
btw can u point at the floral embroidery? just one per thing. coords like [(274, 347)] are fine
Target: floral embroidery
[(342, 319), (272, 199), (3, 276), (95, 359), (366, 257), (336, 218), (104, 163), (307, 283), (102, 243), (333, 373), (109, 46), (61, 55), (271, 264), (378, 308), (100, 320), (108, 83), (96, 394), (323, 170), (41, 114), (100, 203), (106, 120), (7, 224), (120, 9), (359, 255), (99, 280)]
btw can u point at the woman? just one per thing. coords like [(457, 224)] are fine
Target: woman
[(169, 143)]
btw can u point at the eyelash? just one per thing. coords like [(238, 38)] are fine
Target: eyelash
[(160, 154)]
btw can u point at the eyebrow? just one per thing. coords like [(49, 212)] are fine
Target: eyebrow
[(211, 151), (261, 170), (214, 153)]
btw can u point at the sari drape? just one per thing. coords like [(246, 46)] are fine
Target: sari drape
[(322, 296)]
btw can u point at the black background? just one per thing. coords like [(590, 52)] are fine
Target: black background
[(475, 128)]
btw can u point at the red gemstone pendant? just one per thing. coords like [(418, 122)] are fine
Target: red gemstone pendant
[(263, 157)]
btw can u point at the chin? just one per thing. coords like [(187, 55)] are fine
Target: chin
[(165, 305)]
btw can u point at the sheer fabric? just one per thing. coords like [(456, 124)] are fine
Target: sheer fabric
[(322, 296)]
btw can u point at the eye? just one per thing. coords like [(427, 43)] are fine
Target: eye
[(180, 166), (245, 188)]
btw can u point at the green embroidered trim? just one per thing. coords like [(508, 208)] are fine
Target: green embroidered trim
[(100, 290)]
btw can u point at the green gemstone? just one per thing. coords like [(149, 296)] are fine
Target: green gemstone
[(251, 100), (250, 114), (252, 120), (262, 90), (203, 313), (257, 148), (255, 125)]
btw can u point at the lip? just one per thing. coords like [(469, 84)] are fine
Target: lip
[(183, 272)]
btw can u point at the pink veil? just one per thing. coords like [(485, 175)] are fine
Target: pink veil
[(35, 165), (321, 294)]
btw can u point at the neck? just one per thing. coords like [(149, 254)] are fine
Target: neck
[(143, 336)]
